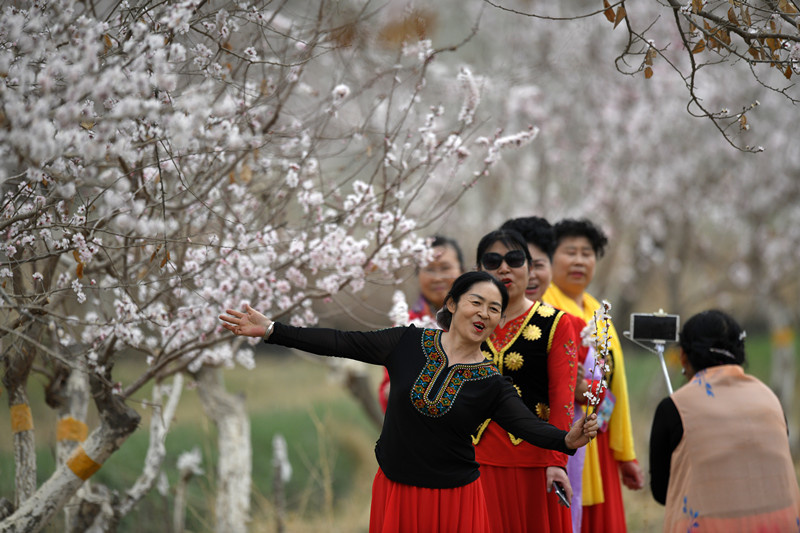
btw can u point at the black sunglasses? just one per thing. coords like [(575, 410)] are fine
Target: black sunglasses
[(514, 259)]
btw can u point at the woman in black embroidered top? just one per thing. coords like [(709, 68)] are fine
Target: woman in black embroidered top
[(442, 388)]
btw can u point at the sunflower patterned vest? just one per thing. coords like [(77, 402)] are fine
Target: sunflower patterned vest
[(521, 352)]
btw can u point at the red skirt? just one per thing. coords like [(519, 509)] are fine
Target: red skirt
[(518, 500), (400, 508), (609, 515)]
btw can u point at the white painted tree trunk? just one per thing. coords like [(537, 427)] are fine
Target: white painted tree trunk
[(784, 377), (355, 378), (163, 414), (75, 406), (282, 472), (111, 512), (118, 421), (188, 467), (234, 467), (24, 450)]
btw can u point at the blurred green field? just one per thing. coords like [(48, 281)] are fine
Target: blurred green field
[(330, 445)]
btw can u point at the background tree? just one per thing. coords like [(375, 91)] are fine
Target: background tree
[(699, 40)]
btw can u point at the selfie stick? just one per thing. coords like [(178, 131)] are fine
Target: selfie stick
[(659, 351)]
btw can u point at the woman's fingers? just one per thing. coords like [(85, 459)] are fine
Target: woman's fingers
[(229, 319), (590, 426)]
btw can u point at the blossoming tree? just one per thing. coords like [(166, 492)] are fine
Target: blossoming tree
[(696, 40), (164, 161)]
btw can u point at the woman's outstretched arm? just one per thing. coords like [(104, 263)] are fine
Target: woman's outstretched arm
[(372, 347)]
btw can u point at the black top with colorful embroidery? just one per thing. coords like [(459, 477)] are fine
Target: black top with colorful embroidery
[(433, 407)]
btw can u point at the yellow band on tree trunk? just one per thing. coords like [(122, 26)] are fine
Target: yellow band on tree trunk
[(21, 418), (81, 464), (69, 428)]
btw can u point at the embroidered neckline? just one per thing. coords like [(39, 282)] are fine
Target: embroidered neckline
[(509, 333), (457, 375)]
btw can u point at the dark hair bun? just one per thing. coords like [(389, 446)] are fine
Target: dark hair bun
[(713, 338)]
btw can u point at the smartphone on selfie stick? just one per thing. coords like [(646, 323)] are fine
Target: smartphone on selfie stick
[(559, 490)]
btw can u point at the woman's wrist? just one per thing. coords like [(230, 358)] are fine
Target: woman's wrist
[(269, 330)]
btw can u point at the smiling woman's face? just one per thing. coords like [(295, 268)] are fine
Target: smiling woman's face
[(477, 312)]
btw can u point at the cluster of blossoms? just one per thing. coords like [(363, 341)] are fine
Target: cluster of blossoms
[(597, 336), (399, 314)]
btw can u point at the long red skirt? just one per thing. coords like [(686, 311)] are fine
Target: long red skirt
[(400, 508), (518, 501), (609, 515)]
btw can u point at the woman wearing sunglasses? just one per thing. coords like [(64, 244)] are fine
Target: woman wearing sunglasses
[(537, 346)]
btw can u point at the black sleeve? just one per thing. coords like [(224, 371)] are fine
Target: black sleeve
[(368, 346), (514, 416), (665, 435)]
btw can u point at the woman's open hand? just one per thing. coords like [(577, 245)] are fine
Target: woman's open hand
[(582, 432), (251, 323)]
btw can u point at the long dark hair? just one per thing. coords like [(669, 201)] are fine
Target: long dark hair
[(712, 338), (460, 286)]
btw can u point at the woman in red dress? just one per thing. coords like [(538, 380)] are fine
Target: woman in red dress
[(442, 388), (537, 346)]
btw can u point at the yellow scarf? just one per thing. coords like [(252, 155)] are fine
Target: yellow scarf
[(620, 432)]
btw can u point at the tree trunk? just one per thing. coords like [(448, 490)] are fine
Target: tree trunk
[(783, 377), (188, 467), (353, 375), (234, 467), (24, 445), (115, 508), (17, 368), (163, 414), (71, 431), (118, 421), (282, 471), (362, 388)]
